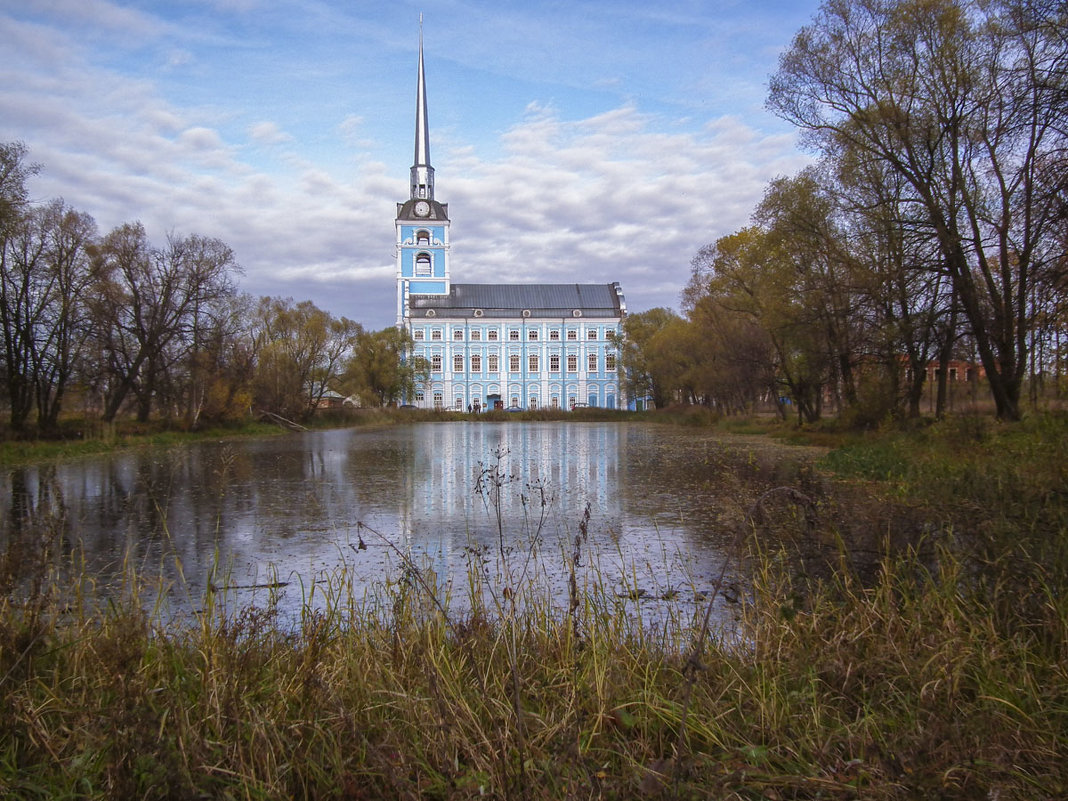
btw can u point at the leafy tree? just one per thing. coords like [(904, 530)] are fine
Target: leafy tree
[(674, 356), (751, 274), (820, 278), (379, 371), (738, 369), (300, 352), (646, 374)]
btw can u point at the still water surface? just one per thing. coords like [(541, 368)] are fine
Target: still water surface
[(295, 509)]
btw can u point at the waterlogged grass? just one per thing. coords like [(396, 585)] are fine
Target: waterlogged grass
[(955, 454), (997, 485)]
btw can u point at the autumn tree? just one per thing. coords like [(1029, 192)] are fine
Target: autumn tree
[(223, 368), (737, 369), (820, 275), (191, 361), (965, 101), (902, 288), (645, 374), (300, 352), (380, 372), (752, 275), (43, 309)]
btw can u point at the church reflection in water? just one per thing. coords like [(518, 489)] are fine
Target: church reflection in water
[(295, 509)]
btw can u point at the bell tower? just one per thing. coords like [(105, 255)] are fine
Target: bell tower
[(422, 223)]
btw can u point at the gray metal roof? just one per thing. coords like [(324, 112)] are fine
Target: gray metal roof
[(438, 211), (511, 300)]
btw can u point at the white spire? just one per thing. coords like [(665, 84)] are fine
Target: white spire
[(422, 172)]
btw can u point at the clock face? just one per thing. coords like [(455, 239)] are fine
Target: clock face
[(422, 208)]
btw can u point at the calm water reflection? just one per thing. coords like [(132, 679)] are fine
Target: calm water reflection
[(288, 508)]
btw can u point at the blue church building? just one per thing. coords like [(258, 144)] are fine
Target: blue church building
[(497, 345)]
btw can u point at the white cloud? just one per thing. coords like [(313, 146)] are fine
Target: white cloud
[(612, 192), (268, 133), (613, 197)]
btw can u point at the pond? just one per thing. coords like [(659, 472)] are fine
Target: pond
[(281, 515)]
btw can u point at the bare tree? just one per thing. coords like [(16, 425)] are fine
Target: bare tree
[(148, 306), (69, 237), (964, 100), (18, 294)]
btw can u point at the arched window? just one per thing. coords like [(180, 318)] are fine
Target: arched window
[(423, 265), (422, 237)]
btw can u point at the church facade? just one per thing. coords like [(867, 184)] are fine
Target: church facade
[(518, 346)]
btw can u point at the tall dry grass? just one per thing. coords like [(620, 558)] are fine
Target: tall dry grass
[(938, 677)]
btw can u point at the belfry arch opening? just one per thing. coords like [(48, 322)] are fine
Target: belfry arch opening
[(423, 264)]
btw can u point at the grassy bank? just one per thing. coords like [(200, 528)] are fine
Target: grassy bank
[(944, 674), (94, 437), (907, 689)]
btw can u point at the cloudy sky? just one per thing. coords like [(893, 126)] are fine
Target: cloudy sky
[(574, 140)]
